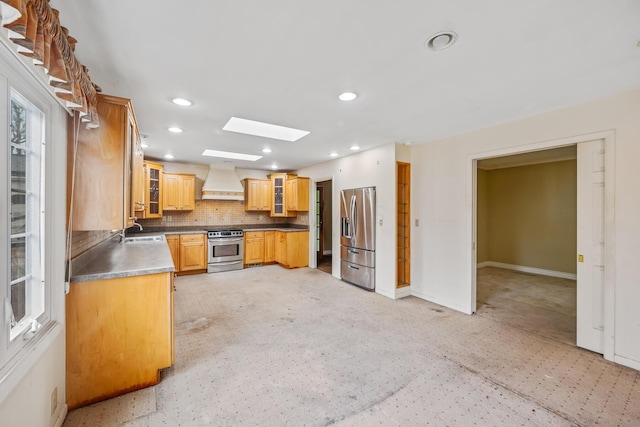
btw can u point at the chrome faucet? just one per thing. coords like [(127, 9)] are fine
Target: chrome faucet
[(135, 223)]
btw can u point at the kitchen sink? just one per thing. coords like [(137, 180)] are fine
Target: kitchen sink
[(144, 239)]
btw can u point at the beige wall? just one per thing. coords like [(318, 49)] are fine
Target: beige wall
[(529, 216)]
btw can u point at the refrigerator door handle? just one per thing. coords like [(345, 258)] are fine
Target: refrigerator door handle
[(353, 268), (354, 216), (351, 251)]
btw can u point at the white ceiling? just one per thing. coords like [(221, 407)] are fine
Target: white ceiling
[(285, 62)]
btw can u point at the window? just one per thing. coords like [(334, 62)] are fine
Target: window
[(25, 285), (26, 302)]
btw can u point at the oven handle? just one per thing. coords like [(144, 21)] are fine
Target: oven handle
[(224, 240), (225, 263)]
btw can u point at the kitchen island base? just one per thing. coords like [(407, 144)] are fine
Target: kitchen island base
[(119, 335)]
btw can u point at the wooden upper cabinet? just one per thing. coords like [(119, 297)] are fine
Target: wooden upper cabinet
[(297, 194), (178, 191), (108, 168), (257, 194), (153, 190), (290, 194)]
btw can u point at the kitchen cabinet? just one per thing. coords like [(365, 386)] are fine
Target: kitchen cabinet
[(292, 248), (269, 247), (178, 191), (108, 183), (173, 240), (189, 252), (153, 190), (119, 335), (257, 194), (193, 253), (297, 194), (290, 193), (253, 247)]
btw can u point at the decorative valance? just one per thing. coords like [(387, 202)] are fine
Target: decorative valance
[(35, 29)]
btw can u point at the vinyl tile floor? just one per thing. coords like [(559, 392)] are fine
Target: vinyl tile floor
[(273, 347)]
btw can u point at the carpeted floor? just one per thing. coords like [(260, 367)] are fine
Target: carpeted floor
[(274, 347), (541, 305)]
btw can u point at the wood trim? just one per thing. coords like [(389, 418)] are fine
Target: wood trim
[(403, 224)]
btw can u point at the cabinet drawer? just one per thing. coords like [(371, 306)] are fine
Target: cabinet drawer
[(254, 235), (189, 238)]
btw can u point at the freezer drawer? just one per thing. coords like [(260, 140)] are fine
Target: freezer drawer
[(358, 275), (358, 256)]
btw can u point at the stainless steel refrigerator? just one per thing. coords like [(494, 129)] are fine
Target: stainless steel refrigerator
[(357, 236)]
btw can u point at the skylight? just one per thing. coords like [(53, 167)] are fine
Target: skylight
[(266, 130), (230, 155)]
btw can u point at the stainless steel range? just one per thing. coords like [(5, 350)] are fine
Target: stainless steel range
[(226, 250)]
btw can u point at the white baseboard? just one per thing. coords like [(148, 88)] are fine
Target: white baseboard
[(61, 416), (525, 269), (385, 293), (403, 292), (627, 362)]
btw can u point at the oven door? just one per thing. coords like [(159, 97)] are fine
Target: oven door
[(226, 249)]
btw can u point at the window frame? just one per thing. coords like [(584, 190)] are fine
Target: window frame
[(15, 347), (36, 307)]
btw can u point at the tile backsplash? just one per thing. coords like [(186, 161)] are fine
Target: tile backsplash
[(219, 213)]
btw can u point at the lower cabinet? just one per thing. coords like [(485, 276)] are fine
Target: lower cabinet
[(292, 248), (269, 246), (254, 249), (189, 252), (119, 335), (289, 249)]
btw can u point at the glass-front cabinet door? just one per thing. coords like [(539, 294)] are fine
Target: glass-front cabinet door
[(153, 184)]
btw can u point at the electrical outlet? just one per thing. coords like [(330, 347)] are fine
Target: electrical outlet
[(54, 400)]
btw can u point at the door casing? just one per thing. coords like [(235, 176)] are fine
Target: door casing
[(609, 224)]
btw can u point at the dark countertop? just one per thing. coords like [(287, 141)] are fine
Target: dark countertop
[(112, 259), (205, 228)]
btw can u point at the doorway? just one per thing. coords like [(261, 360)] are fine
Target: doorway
[(595, 284), (324, 230), (526, 238)]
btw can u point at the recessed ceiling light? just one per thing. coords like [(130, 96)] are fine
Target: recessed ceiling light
[(334, 154), (230, 155), (347, 96), (169, 156), (266, 150), (274, 166), (181, 102), (442, 40), (355, 147), (175, 130), (144, 145), (267, 130)]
